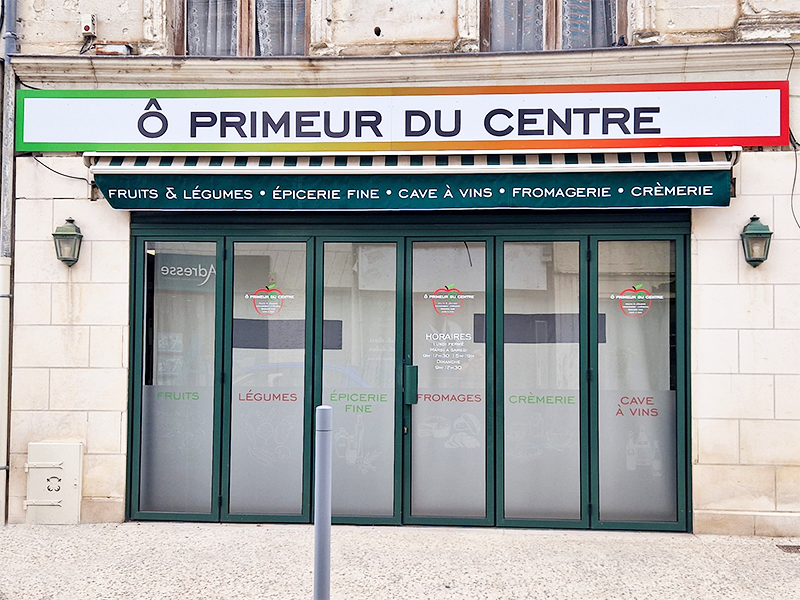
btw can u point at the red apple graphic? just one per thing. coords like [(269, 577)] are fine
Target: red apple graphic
[(638, 305), (449, 303), (270, 303)]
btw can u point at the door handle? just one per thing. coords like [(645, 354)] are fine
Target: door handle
[(411, 380)]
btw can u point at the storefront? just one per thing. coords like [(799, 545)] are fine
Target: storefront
[(501, 325)]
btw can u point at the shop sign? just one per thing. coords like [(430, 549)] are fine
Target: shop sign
[(422, 119), (178, 191)]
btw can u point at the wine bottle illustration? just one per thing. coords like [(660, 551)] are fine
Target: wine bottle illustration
[(656, 460), (630, 453), (644, 451)]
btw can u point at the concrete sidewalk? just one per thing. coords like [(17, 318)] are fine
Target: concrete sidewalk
[(233, 562)]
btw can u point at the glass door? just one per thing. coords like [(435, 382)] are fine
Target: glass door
[(542, 440), (448, 426), (639, 414), (360, 376), (269, 401)]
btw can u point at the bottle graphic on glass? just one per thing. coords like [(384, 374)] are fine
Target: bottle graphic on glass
[(657, 463), (630, 453), (644, 451)]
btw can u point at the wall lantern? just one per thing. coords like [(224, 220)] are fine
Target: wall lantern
[(755, 241), (68, 242)]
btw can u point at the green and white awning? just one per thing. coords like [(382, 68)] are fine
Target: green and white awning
[(415, 182)]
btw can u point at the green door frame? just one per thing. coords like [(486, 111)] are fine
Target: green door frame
[(489, 283), (500, 228)]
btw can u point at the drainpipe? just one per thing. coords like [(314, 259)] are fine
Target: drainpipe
[(6, 215)]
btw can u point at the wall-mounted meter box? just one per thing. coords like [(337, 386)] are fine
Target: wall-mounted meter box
[(54, 483)]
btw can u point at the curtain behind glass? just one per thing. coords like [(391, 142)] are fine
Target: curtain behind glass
[(587, 23), (518, 25), (280, 27), (212, 27)]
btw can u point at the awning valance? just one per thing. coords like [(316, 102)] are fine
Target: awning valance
[(415, 182)]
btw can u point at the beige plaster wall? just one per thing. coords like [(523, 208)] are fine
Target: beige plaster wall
[(745, 366), (70, 328)]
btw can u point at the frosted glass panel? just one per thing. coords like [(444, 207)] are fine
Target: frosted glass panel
[(268, 381), (542, 474), (637, 381), (358, 374), (178, 379), (448, 448)]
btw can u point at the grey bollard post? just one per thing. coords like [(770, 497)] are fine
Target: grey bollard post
[(322, 502)]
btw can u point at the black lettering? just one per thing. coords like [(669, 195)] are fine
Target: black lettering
[(232, 119), (565, 125), (268, 123), (437, 118), (639, 118), (487, 122), (368, 118), (608, 119), (586, 112), (326, 125), (426, 123), (527, 117), (302, 119), (201, 119)]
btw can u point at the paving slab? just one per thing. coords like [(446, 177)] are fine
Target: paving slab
[(188, 561)]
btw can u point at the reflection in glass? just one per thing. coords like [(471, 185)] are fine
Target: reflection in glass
[(448, 449), (358, 374), (178, 382), (268, 380), (541, 418), (637, 381)]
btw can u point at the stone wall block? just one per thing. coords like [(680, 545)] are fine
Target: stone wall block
[(89, 389), (788, 488), (90, 304), (787, 396), (732, 307), (37, 181), (51, 346), (110, 262), (50, 426), (30, 389), (103, 436), (770, 351), (719, 441), (787, 306), (106, 347), (715, 351), (32, 303), (34, 220), (718, 487), (715, 261), (770, 442), (723, 523), (104, 475), (733, 396)]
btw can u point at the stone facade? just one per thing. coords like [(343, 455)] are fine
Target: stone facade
[(70, 326)]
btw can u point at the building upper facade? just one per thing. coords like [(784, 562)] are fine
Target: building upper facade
[(390, 27)]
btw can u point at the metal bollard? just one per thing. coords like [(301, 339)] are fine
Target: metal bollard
[(322, 502)]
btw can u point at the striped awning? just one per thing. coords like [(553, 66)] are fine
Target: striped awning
[(465, 163)]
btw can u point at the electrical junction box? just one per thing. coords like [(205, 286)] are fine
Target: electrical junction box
[(88, 25), (54, 483)]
